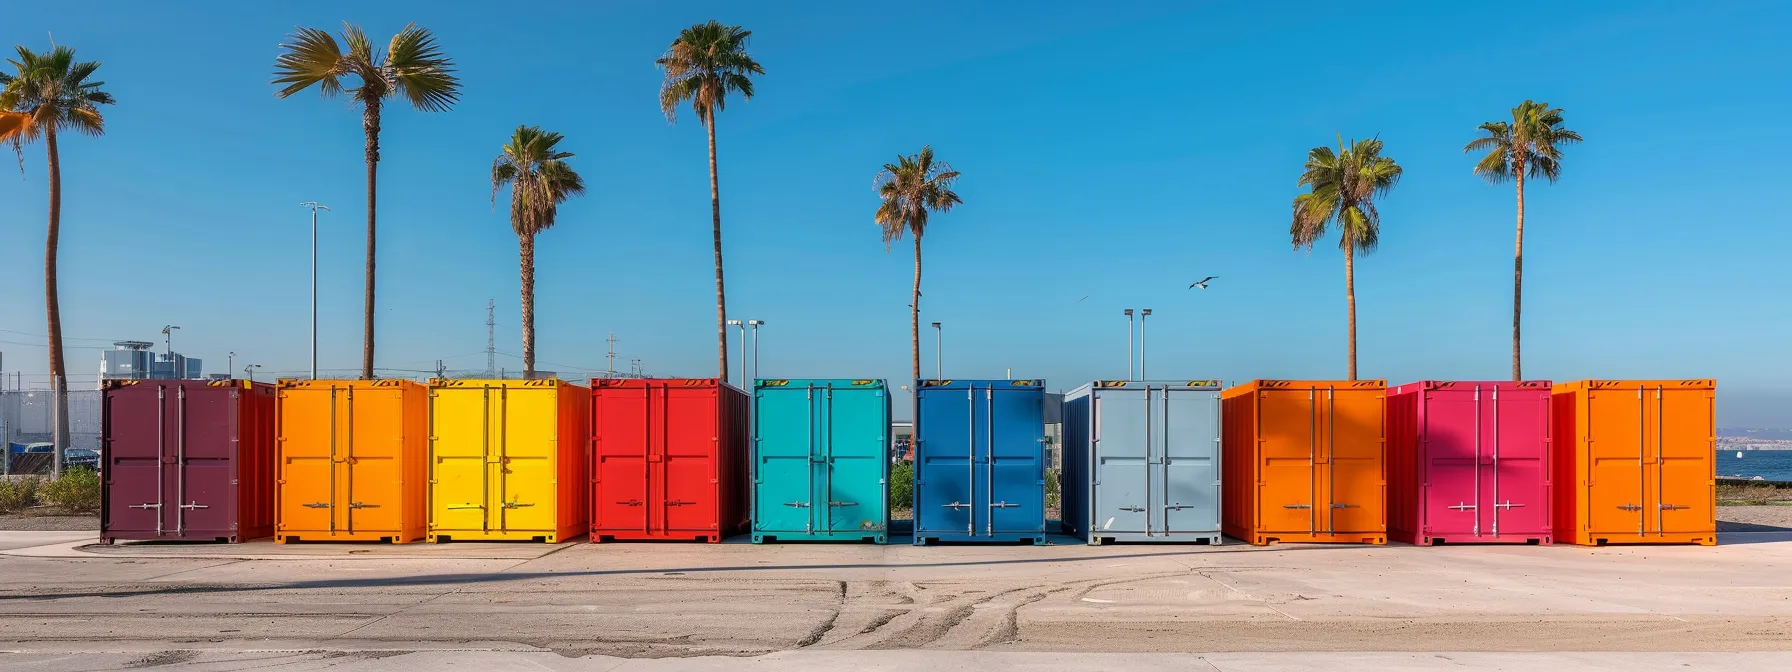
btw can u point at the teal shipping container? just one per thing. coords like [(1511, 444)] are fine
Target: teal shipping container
[(821, 460)]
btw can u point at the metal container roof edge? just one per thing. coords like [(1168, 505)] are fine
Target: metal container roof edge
[(1607, 384), (1417, 385), (963, 383), (502, 382), (1208, 385), (1378, 384), (642, 383), (287, 383), (849, 383)]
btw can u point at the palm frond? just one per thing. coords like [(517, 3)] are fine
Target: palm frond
[(310, 56), (911, 190), (50, 93), (703, 65), (419, 71), (1342, 187)]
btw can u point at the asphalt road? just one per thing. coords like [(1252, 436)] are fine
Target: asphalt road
[(210, 605)]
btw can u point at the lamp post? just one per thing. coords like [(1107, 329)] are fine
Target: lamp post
[(937, 371), (249, 371), (168, 336), (743, 351), (314, 208), (755, 324), (230, 363), (1143, 313), (1128, 343)]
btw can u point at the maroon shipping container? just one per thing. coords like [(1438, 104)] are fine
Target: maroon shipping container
[(668, 459), (1468, 462), (187, 460)]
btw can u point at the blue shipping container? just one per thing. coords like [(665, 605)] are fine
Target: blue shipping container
[(980, 461), (1142, 461)]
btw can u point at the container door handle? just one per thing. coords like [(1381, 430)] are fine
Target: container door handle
[(1003, 505), (362, 505), (316, 505), (1179, 507), (1630, 507), (630, 502), (843, 503), (195, 505), (1134, 509), (517, 505), (1297, 506), (1674, 507), (956, 505), (146, 506), (800, 505), (680, 502), (1507, 505), (467, 506), (1343, 506), (1463, 507)]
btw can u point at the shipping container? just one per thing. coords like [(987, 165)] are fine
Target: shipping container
[(1468, 462), (187, 460), (1636, 462), (353, 461), (1142, 461), (821, 460), (1305, 461), (980, 461), (507, 460), (668, 459)]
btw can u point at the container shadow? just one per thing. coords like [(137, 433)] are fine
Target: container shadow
[(1767, 535)]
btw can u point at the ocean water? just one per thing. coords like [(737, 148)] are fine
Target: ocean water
[(1772, 465)]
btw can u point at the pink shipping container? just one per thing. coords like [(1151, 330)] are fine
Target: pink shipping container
[(1468, 462)]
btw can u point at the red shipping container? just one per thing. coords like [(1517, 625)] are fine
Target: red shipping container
[(1468, 462), (668, 459), (187, 460)]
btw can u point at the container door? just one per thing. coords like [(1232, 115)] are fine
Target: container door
[(686, 460), (1123, 472), (204, 461), (1515, 486), (1617, 450), (621, 446), (855, 454), (368, 496), (1685, 478), (522, 459), (1355, 480), (1190, 440), (309, 422), (1452, 449), (136, 435), (1288, 442), (1014, 453), (784, 486), (946, 473), (462, 429)]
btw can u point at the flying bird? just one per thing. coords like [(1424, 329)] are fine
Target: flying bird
[(1202, 283), (1080, 300)]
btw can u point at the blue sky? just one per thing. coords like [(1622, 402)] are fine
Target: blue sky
[(1110, 153)]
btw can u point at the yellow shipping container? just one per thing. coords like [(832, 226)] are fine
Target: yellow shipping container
[(351, 462), (507, 460)]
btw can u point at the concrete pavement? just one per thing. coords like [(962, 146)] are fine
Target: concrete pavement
[(572, 600)]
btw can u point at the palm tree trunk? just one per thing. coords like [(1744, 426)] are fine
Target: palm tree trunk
[(1350, 298), (914, 315), (1518, 276), (58, 370), (526, 243), (370, 124), (715, 211)]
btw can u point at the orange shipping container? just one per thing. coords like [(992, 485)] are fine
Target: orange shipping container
[(1636, 461), (507, 460), (1304, 461), (351, 456)]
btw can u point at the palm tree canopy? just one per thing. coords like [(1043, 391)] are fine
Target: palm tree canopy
[(1532, 140), (705, 63), (1343, 187), (413, 66), (535, 168), (912, 188), (50, 93)]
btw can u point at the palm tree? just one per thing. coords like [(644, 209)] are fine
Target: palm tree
[(912, 188), (1529, 145), (535, 168), (705, 63), (1343, 188), (412, 67), (51, 94)]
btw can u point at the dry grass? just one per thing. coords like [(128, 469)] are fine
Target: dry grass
[(1752, 495)]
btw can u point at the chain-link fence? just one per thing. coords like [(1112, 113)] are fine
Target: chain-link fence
[(28, 426)]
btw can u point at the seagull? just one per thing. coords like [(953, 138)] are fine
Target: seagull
[(1202, 283), (1080, 300)]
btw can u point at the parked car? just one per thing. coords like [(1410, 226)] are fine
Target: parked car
[(87, 458)]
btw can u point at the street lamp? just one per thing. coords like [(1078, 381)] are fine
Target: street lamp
[(314, 208), (249, 371), (230, 363), (1143, 313), (755, 324), (168, 334), (743, 351), (936, 353), (1129, 344)]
